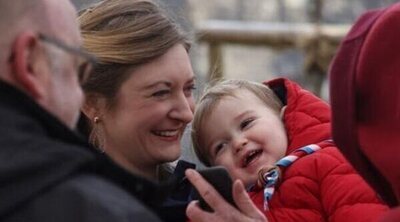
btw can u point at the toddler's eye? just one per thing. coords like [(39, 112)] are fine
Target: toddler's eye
[(219, 147), (245, 123)]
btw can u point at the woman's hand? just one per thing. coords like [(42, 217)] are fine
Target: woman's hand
[(223, 211)]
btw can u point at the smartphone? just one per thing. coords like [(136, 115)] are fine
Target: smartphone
[(219, 178)]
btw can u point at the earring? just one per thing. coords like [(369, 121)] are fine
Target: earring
[(95, 137), (96, 119)]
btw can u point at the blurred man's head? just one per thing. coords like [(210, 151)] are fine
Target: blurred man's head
[(39, 54)]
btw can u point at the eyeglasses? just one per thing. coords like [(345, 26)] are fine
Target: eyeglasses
[(86, 63)]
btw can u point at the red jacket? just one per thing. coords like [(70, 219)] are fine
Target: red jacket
[(321, 186)]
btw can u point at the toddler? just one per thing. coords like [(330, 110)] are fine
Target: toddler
[(275, 137)]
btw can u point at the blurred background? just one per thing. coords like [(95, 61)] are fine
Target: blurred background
[(264, 39)]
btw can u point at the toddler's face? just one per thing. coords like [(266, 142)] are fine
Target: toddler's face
[(244, 135)]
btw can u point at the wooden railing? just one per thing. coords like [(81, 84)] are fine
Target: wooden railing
[(319, 42)]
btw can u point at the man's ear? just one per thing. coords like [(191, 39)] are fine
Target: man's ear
[(93, 106), (28, 63)]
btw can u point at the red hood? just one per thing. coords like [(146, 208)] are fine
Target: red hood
[(365, 98), (307, 117)]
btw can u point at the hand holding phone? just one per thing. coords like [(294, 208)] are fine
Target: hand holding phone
[(219, 178), (246, 210)]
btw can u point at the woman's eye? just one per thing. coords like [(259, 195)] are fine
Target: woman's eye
[(189, 90), (161, 93), (245, 123)]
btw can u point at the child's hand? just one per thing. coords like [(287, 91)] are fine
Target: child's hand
[(223, 211)]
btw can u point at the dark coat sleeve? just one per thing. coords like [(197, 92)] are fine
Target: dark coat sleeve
[(81, 199)]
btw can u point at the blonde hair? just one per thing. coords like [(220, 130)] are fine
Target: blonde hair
[(213, 95)]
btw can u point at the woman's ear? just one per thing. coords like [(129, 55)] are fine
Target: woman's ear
[(93, 106), (282, 113), (28, 63)]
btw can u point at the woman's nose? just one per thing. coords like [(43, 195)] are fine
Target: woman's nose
[(183, 109)]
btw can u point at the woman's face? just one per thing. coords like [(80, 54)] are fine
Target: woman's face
[(153, 106)]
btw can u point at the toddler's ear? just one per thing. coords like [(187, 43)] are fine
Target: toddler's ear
[(282, 114)]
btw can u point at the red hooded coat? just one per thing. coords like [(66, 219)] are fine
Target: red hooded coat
[(365, 96), (321, 186)]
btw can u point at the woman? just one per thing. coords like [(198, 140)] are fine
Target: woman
[(139, 95), (139, 100)]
